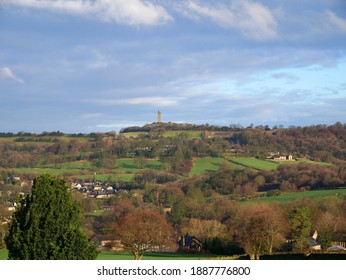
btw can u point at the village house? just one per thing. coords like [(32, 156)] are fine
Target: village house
[(108, 242), (189, 243), (279, 157), (315, 245)]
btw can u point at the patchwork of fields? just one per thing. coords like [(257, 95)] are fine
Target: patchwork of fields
[(125, 169)]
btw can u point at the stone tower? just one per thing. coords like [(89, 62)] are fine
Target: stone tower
[(159, 120)]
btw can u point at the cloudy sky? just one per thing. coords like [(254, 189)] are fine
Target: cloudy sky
[(100, 65)]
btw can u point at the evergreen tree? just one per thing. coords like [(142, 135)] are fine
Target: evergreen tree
[(300, 221), (47, 225)]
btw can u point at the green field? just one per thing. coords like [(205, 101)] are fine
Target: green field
[(260, 164), (153, 256), (124, 170), (52, 171), (287, 197), (82, 164), (254, 163), (208, 164), (3, 254), (147, 256), (190, 134), (129, 165)]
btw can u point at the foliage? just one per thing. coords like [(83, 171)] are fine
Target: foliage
[(275, 192), (47, 225), (143, 231), (260, 226), (300, 223)]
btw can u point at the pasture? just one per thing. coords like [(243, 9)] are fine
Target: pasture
[(208, 164), (153, 256), (254, 163), (129, 256), (259, 164), (212, 164), (287, 197), (124, 169)]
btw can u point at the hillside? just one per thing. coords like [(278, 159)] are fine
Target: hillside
[(177, 148)]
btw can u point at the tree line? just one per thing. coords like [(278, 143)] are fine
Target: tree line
[(224, 226)]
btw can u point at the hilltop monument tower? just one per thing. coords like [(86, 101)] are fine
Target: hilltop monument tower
[(159, 119)]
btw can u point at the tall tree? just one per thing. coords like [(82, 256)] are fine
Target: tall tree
[(259, 227), (144, 230), (47, 225), (300, 222)]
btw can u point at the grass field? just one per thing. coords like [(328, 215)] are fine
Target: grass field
[(3, 254), (52, 171), (259, 164), (287, 197), (147, 256), (153, 256), (124, 170), (254, 163), (129, 165), (211, 164), (190, 134), (82, 164), (208, 164)]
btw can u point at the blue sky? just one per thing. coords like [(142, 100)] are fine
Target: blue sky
[(100, 65)]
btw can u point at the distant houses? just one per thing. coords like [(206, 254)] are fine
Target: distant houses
[(98, 190), (280, 157), (314, 243)]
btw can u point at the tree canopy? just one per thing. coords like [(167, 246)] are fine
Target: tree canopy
[(145, 230), (47, 225)]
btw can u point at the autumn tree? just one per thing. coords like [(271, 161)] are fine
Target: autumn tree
[(330, 220), (47, 225), (145, 230), (259, 227)]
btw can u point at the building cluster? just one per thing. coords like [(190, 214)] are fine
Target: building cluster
[(280, 157), (97, 189)]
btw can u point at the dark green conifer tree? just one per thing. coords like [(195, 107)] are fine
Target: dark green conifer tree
[(47, 225)]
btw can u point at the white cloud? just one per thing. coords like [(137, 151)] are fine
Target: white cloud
[(129, 12), (7, 73), (337, 21), (253, 19), (154, 101)]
